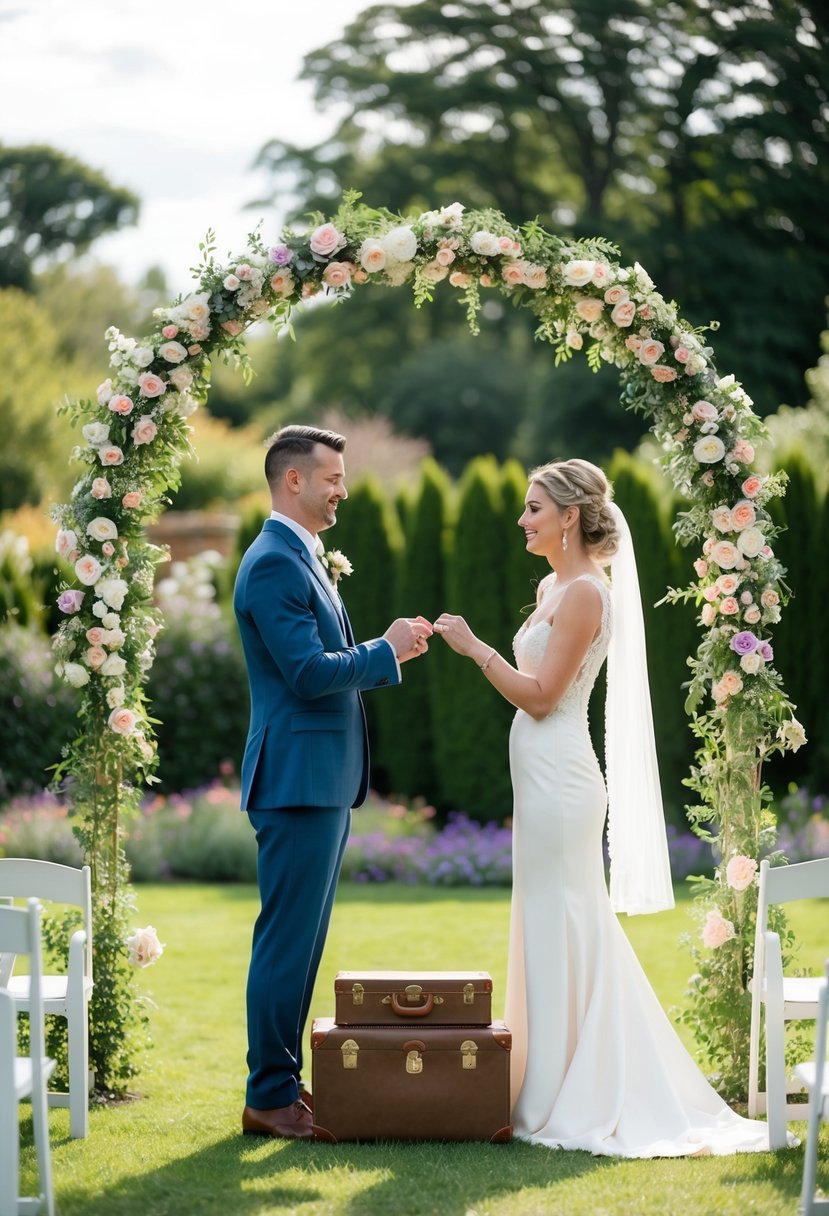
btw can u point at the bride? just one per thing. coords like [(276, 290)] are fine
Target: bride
[(596, 1064)]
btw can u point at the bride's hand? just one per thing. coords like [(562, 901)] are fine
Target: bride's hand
[(456, 633)]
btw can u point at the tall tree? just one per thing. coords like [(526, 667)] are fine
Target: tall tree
[(52, 206)]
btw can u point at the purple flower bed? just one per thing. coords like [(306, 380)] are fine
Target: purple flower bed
[(463, 853)]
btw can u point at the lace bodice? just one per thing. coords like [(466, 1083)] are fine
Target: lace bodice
[(531, 640)]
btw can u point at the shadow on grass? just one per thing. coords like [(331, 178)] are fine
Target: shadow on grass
[(242, 1175)]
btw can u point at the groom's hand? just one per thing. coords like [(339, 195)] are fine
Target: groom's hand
[(409, 637)]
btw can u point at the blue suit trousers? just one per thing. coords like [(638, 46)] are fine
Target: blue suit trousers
[(300, 854)]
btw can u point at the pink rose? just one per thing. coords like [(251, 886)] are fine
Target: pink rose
[(700, 568), (131, 499), (616, 294), (372, 255), (731, 683), (88, 570), (743, 451), (107, 548), (743, 514), (704, 411), (71, 601), (195, 349), (752, 615), (337, 274), (769, 598), (122, 720), (632, 342), (513, 273), (707, 479), (66, 543), (709, 614), (710, 593), (458, 278), (181, 378), (95, 635), (623, 314), (433, 271), (727, 584), (325, 240), (650, 351), (100, 488), (681, 354), (308, 290), (486, 280), (662, 374), (95, 657), (151, 385), (121, 404), (232, 327), (725, 554), (740, 872), (601, 274), (716, 931), (445, 257), (283, 283), (535, 277), (729, 606), (144, 431), (751, 486), (745, 597), (169, 331), (110, 454)]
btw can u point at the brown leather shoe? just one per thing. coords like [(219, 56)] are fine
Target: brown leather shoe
[(305, 1096), (284, 1122)]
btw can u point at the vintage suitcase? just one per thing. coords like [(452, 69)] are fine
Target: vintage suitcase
[(387, 998), (411, 1082)]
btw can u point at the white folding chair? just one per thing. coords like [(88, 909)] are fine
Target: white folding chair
[(815, 1076), (66, 995), (23, 1076), (785, 998)]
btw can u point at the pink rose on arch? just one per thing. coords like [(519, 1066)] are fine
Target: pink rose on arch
[(95, 657), (181, 378), (682, 354), (725, 554), (650, 351), (590, 309), (66, 542), (707, 479), (232, 327), (169, 331), (458, 278), (100, 488), (110, 454), (131, 499), (752, 615), (122, 720), (729, 606), (662, 374), (121, 404), (740, 872), (513, 273), (710, 593), (632, 342), (144, 431), (751, 486), (708, 614), (445, 257), (616, 294), (700, 568), (283, 283), (337, 274), (107, 548), (743, 514), (731, 683), (88, 570), (325, 240), (623, 314), (308, 290), (743, 451), (704, 411), (151, 385), (574, 340), (716, 931), (535, 277), (71, 601), (95, 635), (769, 597), (486, 280), (601, 274)]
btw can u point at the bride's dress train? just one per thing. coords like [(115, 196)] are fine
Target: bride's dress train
[(596, 1063)]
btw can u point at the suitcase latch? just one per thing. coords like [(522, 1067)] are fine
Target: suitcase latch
[(357, 993), (413, 993), (414, 1062), (469, 994), (349, 1050), (469, 1051)]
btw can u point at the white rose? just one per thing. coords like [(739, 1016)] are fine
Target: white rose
[(721, 519), (451, 216), (111, 621), (104, 392), (114, 665), (751, 663), (66, 542), (372, 255), (102, 528), (485, 244), (112, 591), (709, 449), (143, 356), (579, 273), (181, 377), (116, 696), (95, 433), (143, 947), (75, 675), (88, 570), (114, 638), (400, 243), (750, 542)]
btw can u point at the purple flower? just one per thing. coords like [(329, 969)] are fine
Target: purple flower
[(280, 255), (765, 651), (745, 642), (70, 601)]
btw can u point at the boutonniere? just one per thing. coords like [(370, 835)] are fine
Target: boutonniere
[(337, 564)]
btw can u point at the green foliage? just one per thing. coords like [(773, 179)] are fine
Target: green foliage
[(51, 203), (37, 711), (473, 720)]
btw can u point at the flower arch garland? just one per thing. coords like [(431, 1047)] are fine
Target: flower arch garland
[(135, 436)]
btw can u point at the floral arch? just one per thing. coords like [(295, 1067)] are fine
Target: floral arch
[(135, 435)]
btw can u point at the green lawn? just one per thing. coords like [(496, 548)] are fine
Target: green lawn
[(179, 1148)]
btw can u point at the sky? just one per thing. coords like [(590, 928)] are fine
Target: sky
[(172, 101)]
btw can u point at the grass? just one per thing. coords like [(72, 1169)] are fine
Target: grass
[(179, 1149)]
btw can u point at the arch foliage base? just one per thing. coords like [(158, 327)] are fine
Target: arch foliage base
[(135, 435)]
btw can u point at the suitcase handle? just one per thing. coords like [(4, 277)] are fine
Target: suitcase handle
[(412, 1011)]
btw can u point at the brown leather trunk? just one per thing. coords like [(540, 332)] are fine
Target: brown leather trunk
[(393, 998), (411, 1082)]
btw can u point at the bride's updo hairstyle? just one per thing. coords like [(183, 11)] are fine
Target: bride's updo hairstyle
[(578, 483)]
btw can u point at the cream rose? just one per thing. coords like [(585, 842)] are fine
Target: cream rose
[(122, 720), (116, 696), (151, 385), (721, 519), (88, 570), (112, 591), (181, 378), (769, 598), (590, 309), (95, 433), (709, 449), (100, 488), (704, 411), (623, 314), (535, 277), (372, 255), (400, 243), (616, 295), (172, 352), (731, 683), (144, 431), (513, 273), (75, 675), (433, 271), (724, 554), (750, 542), (650, 351), (574, 340), (485, 244), (578, 273), (791, 734), (708, 614), (66, 542), (101, 528), (143, 947), (337, 274), (282, 283), (113, 665)]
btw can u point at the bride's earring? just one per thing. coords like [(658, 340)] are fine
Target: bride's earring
[(564, 541)]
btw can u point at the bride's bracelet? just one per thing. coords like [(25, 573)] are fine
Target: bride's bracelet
[(483, 666)]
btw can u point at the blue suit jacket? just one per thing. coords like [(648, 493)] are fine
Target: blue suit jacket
[(307, 744)]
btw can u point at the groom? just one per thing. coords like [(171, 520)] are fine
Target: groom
[(306, 762)]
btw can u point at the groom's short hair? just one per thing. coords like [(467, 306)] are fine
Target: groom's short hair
[(292, 445)]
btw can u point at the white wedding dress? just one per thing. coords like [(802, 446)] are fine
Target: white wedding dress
[(596, 1063)]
